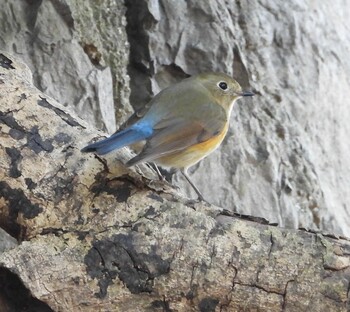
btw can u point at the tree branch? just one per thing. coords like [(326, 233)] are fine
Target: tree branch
[(97, 236)]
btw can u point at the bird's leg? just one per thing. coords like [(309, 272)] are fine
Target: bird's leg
[(200, 196), (160, 176)]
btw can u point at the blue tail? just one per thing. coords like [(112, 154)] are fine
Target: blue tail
[(135, 133)]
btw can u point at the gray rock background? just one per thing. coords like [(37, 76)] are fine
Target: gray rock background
[(286, 157), (78, 52)]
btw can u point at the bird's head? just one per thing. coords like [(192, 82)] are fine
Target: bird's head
[(224, 89)]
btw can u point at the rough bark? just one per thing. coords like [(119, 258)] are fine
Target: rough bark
[(96, 236)]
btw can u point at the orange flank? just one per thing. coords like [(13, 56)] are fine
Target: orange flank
[(192, 154)]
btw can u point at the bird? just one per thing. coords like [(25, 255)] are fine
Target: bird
[(181, 125)]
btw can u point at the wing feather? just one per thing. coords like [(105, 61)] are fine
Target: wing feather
[(173, 135)]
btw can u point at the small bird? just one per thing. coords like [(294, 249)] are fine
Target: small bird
[(182, 124)]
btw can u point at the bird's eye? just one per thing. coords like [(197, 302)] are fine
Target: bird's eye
[(223, 85)]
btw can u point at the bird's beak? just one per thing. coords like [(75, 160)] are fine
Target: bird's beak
[(246, 93)]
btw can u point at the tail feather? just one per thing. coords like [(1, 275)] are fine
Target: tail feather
[(116, 141), (134, 161)]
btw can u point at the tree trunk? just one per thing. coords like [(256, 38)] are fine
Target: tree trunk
[(96, 236)]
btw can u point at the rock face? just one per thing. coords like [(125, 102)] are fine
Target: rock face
[(286, 156), (78, 53)]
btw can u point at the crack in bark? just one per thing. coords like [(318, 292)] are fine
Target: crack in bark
[(213, 253), (58, 232), (254, 285), (16, 110), (103, 162), (234, 278), (284, 303), (332, 298), (105, 272), (176, 252), (60, 113), (272, 245), (194, 267)]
